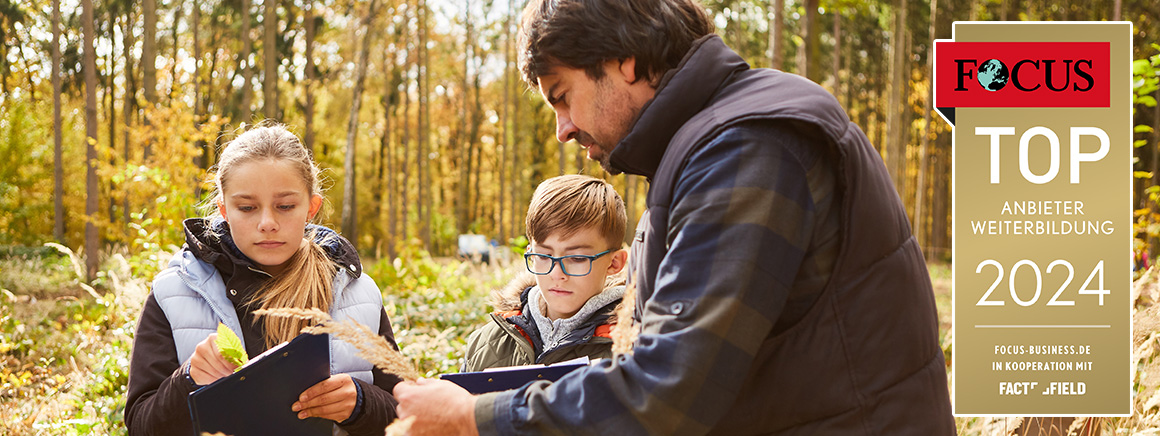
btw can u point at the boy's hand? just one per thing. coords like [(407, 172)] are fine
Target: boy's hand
[(440, 407), (207, 364), (333, 399)]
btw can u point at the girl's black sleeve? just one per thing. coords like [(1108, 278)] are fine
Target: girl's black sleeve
[(158, 386), (378, 409)]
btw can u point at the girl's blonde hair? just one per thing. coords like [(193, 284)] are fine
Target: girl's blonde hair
[(307, 280)]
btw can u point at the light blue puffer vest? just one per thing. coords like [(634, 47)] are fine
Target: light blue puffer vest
[(193, 297)]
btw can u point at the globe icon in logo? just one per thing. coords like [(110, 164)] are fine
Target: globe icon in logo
[(993, 75)]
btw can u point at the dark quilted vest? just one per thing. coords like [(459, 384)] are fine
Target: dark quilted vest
[(866, 359)]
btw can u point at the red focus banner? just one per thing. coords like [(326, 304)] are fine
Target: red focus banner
[(1022, 74)]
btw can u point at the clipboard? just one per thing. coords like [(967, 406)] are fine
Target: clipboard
[(504, 378), (256, 399)]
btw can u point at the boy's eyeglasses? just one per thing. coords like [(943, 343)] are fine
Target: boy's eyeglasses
[(575, 265)]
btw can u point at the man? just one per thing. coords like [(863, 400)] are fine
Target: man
[(779, 288)]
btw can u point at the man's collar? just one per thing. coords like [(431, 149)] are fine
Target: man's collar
[(682, 93)]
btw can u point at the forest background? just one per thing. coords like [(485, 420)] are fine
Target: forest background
[(112, 111)]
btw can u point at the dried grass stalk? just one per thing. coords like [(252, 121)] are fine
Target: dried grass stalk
[(400, 427), (1086, 426), (1012, 426), (293, 312), (625, 331), (372, 347)]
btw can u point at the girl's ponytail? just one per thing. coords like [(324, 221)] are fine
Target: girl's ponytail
[(306, 282)]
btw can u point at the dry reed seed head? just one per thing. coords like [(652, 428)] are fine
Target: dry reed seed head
[(400, 427), (297, 313), (372, 347), (625, 332)]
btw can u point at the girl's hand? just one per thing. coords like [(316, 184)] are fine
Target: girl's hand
[(333, 399), (207, 364)]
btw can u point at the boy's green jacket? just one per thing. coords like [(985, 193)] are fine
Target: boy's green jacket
[(511, 337)]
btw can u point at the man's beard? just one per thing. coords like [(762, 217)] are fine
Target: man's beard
[(604, 159), (618, 106), (606, 163)]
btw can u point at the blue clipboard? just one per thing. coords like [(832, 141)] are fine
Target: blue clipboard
[(256, 399), (501, 379)]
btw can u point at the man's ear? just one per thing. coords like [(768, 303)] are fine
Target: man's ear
[(619, 261), (627, 69), (315, 206), (222, 210)]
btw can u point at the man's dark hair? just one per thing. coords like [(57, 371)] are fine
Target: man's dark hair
[(587, 33)]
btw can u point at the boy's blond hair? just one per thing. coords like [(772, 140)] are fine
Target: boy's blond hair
[(569, 203)]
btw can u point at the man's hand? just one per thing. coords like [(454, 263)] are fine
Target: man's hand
[(440, 407), (207, 364), (333, 399)]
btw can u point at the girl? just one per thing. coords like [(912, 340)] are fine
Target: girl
[(256, 250)]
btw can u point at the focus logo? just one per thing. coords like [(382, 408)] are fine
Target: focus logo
[(992, 75), (1022, 74)]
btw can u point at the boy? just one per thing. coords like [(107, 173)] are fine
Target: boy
[(565, 308)]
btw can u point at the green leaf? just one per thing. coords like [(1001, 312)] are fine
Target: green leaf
[(1146, 100), (1140, 66), (1143, 128), (1139, 143), (231, 347), (1142, 174)]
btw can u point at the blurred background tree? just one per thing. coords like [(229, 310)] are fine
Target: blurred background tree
[(425, 97)]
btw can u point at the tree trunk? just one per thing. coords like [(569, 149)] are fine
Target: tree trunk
[(149, 65), (349, 198), (58, 153), (1153, 242), (776, 33), (422, 160), (129, 102), (504, 127), (198, 108), (404, 204), (247, 69), (895, 148), (473, 147), (563, 156), (477, 151), (463, 157), (311, 77), (270, 49), (920, 185), (389, 164), (810, 67), (177, 9), (111, 116), (195, 24), (515, 223), (837, 58), (5, 69), (386, 177), (940, 230), (92, 249), (1116, 9)]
